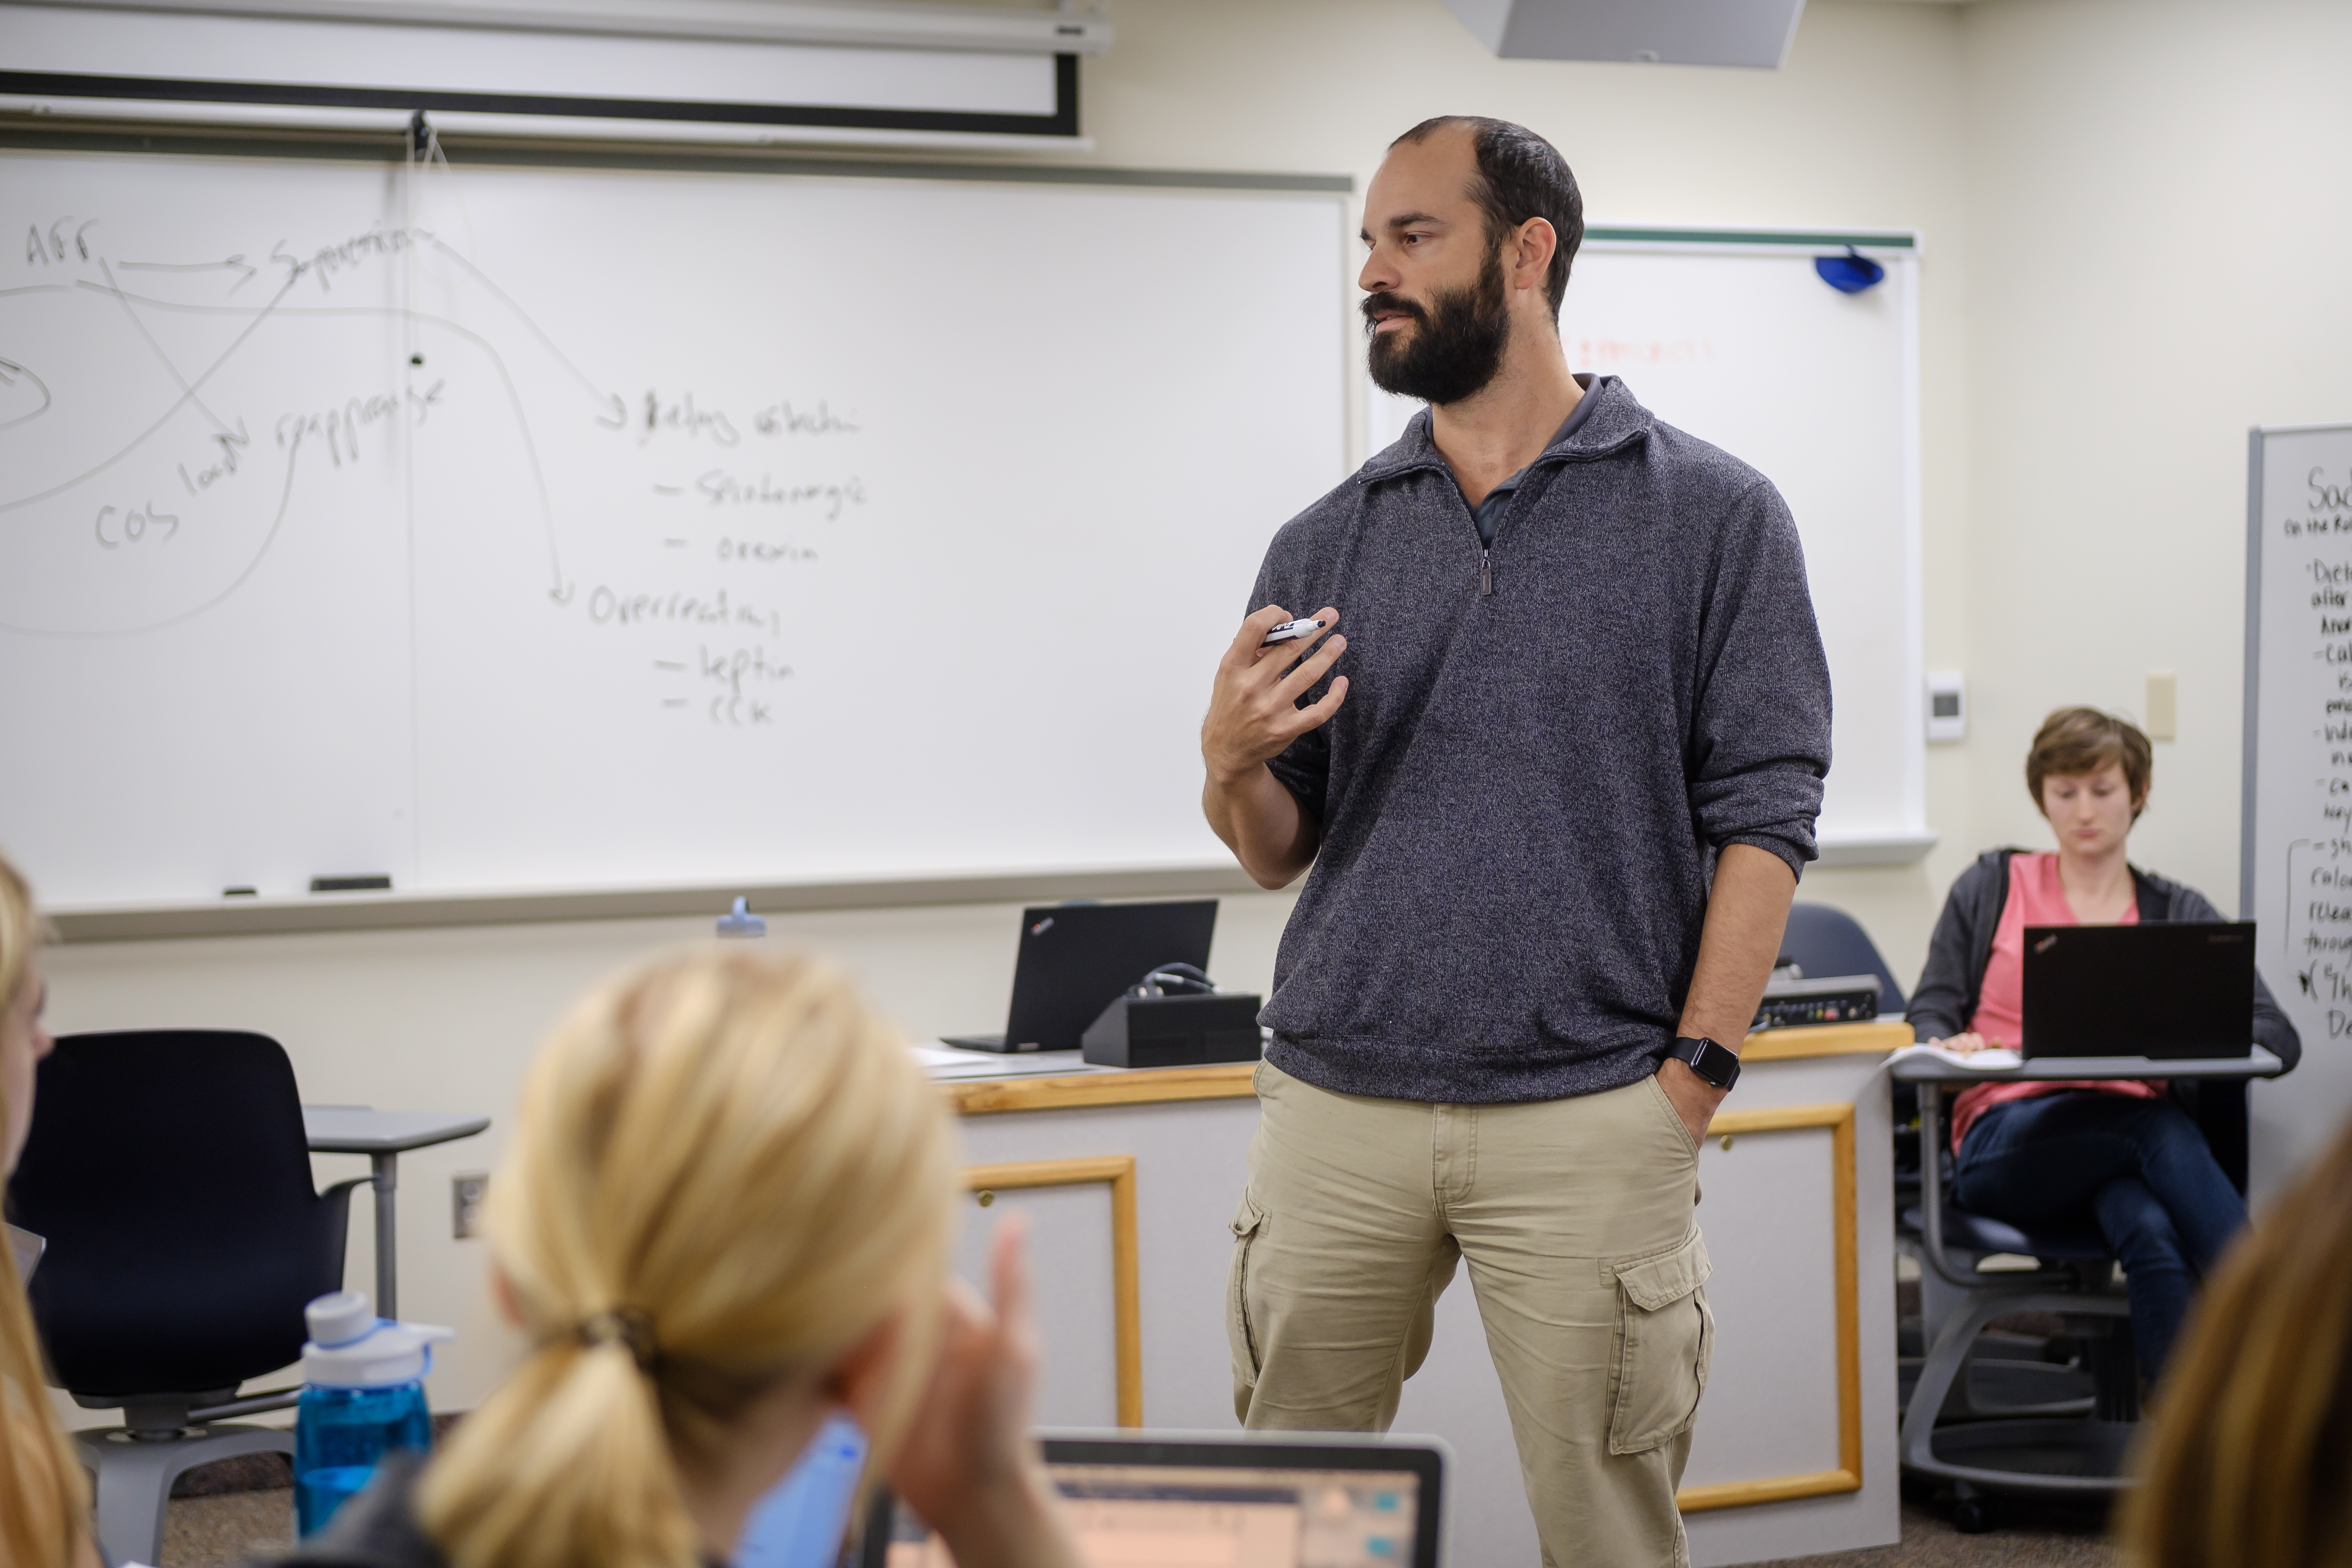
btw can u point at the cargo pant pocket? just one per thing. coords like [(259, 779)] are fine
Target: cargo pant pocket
[(1665, 1336), (1247, 1223)]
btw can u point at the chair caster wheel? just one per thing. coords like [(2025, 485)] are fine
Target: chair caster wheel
[(1973, 1516)]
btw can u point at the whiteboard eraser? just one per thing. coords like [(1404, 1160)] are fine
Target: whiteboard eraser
[(1948, 707), (373, 882)]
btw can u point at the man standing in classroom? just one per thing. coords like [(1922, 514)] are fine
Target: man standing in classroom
[(1555, 758)]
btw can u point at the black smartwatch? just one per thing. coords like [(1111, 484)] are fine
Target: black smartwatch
[(1710, 1061)]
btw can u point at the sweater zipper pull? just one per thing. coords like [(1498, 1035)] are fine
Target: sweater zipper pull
[(1485, 571)]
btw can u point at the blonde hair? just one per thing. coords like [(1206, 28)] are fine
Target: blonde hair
[(2249, 1456), (43, 1496), (727, 1171)]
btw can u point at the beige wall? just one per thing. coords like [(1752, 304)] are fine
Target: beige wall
[(2160, 249), (1863, 129), (2134, 232)]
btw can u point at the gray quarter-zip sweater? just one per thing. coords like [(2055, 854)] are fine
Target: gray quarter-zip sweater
[(1545, 743)]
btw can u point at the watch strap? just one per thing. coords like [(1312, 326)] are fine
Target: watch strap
[(1713, 1063)]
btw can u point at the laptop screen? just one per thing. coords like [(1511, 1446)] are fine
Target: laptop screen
[(1285, 1507)]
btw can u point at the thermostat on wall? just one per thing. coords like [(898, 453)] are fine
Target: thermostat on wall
[(1948, 707)]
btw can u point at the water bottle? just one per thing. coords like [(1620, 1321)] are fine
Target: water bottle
[(363, 1397)]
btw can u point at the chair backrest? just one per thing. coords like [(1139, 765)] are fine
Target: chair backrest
[(1826, 941), (169, 1171)]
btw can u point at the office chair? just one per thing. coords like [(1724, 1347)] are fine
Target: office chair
[(169, 1172), (2068, 1443), (1825, 941), (2006, 1375)]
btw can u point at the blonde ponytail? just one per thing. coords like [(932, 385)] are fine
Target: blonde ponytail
[(43, 1496), (727, 1171)]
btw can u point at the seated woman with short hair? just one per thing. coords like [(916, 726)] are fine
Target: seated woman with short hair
[(2120, 1151)]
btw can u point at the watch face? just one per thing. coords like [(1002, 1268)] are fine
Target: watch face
[(1714, 1064)]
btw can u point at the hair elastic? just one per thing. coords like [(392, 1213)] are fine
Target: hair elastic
[(621, 1326)]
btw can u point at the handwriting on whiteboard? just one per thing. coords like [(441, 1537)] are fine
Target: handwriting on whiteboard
[(158, 492), (2319, 868)]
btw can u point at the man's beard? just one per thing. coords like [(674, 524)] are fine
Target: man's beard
[(1456, 343)]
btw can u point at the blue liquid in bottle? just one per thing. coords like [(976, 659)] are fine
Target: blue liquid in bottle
[(340, 1434)]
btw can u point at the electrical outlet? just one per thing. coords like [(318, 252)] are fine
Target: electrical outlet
[(467, 1191)]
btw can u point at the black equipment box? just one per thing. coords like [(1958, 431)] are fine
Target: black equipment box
[(1174, 1031), (1832, 999)]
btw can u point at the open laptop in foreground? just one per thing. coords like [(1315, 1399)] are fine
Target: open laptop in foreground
[(2171, 991), (1075, 958), (1245, 1499)]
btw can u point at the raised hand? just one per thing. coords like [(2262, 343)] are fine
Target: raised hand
[(969, 1465)]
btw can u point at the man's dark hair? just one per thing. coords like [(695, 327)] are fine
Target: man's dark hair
[(1521, 176)]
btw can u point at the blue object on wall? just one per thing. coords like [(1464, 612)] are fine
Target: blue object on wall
[(1849, 273)]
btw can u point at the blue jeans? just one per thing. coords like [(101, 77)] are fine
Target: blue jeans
[(2139, 1167)]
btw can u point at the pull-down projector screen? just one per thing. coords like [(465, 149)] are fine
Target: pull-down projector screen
[(564, 71)]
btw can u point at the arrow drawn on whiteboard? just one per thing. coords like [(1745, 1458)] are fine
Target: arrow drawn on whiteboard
[(285, 497), (9, 370), (556, 589), (259, 314), (226, 264), (123, 300), (619, 410)]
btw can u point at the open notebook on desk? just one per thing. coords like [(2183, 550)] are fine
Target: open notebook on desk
[(949, 1063), (1997, 1059)]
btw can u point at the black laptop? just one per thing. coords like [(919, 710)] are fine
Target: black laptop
[(1283, 1500), (2165, 990), (1075, 958)]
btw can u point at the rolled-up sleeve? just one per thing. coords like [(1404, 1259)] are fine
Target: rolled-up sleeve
[(1759, 733)]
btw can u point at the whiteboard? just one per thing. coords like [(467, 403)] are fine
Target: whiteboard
[(2295, 867), (1746, 347), (567, 529)]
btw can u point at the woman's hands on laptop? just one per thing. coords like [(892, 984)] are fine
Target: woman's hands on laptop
[(1968, 1044)]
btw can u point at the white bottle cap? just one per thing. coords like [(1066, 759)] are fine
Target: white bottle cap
[(350, 1347)]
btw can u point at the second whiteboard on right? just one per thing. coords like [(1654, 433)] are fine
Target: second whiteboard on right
[(1743, 344)]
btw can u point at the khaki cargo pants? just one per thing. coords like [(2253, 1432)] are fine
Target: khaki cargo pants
[(1576, 1219)]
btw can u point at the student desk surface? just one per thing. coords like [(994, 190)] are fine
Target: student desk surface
[(383, 1136), (1130, 1178), (2258, 1062)]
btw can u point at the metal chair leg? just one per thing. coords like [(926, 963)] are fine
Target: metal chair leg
[(134, 1478)]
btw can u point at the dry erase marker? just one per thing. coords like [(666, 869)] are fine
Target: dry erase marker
[(1290, 630)]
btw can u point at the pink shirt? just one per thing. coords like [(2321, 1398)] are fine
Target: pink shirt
[(2036, 898)]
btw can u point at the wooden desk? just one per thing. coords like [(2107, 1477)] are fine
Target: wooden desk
[(1130, 1178), (1086, 1086)]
